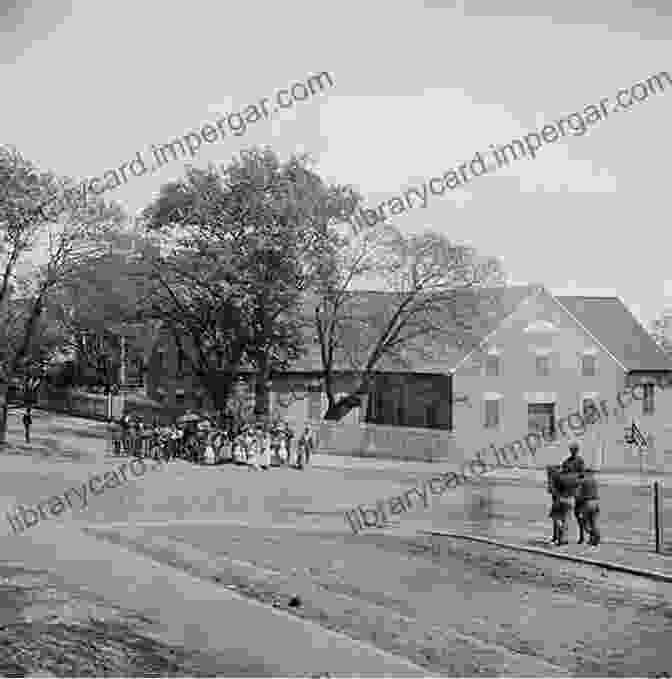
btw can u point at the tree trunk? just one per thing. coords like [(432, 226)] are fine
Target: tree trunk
[(219, 390), (337, 411), (220, 398), (261, 392)]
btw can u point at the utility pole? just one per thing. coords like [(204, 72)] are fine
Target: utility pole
[(657, 514), (122, 374)]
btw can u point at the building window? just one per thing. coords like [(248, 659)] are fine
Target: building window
[(492, 414), (314, 405), (432, 416), (543, 364), (541, 418), (588, 365), (647, 404), (492, 366), (161, 360), (179, 398), (180, 362), (588, 405), (589, 410)]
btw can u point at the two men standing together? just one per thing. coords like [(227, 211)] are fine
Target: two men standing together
[(573, 485)]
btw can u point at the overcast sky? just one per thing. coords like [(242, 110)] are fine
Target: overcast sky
[(418, 88)]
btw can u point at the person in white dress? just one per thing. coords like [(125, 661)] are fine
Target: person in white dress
[(283, 453), (238, 452), (209, 452), (253, 452), (266, 449), (227, 447)]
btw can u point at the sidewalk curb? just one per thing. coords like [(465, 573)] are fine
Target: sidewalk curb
[(608, 565)]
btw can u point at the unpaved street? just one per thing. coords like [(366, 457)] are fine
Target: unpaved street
[(461, 609), (279, 537)]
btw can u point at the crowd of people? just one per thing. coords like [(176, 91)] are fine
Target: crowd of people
[(196, 439)]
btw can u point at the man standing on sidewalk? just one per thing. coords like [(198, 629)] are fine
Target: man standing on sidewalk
[(27, 421), (588, 507)]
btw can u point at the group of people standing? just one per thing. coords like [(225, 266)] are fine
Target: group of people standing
[(261, 446), (197, 440), (574, 486), (134, 437)]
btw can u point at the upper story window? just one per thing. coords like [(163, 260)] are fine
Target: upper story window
[(543, 366), (492, 413), (589, 409), (492, 366), (588, 365)]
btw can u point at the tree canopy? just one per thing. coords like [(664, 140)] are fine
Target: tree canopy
[(240, 249), (45, 240)]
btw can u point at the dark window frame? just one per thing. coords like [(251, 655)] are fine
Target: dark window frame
[(490, 422), (489, 361), (545, 360), (592, 361)]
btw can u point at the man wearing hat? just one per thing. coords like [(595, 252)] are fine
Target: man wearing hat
[(574, 463)]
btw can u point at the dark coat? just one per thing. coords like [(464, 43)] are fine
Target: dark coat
[(573, 464), (588, 489)]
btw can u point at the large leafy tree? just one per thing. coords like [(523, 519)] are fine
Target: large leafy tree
[(94, 309), (240, 249), (44, 240)]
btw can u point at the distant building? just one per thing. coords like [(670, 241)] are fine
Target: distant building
[(531, 359)]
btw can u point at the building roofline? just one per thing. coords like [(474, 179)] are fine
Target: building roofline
[(637, 321), (535, 291), (588, 332)]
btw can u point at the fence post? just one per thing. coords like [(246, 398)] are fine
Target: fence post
[(657, 514)]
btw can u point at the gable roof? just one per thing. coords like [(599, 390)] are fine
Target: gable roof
[(614, 325), (449, 346)]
